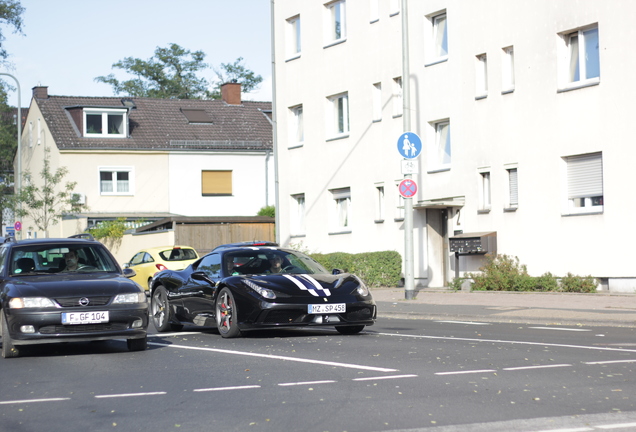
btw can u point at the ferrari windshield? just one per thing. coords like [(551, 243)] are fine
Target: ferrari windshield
[(51, 258), (259, 261)]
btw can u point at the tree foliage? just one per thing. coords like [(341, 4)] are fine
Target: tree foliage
[(173, 72), (10, 15), (47, 204)]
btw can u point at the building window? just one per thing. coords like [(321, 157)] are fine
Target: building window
[(582, 63), (379, 203), (398, 104), (439, 148), (339, 105), (336, 21), (394, 7), (116, 181), (513, 189), (104, 123), (484, 191), (298, 214), (216, 183), (399, 203), (481, 75), (440, 38), (297, 130), (377, 101), (293, 37), (508, 70), (374, 11), (341, 209), (584, 183)]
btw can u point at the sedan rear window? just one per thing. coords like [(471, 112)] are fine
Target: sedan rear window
[(178, 254)]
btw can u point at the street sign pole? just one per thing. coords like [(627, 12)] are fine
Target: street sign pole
[(409, 282)]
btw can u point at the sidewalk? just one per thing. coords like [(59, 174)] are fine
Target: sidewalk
[(598, 309)]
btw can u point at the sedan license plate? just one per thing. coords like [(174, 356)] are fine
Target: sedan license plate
[(326, 308), (85, 317)]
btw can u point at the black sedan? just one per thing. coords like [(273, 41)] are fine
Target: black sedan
[(239, 289), (64, 290)]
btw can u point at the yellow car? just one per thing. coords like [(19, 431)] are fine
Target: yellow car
[(149, 261)]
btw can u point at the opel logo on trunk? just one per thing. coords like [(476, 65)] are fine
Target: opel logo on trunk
[(84, 301)]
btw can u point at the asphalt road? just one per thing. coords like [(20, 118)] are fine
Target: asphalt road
[(401, 374)]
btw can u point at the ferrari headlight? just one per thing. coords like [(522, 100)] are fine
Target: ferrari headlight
[(362, 288), (263, 292), (139, 297), (30, 302)]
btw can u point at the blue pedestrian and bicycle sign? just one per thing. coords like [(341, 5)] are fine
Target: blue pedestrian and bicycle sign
[(409, 145)]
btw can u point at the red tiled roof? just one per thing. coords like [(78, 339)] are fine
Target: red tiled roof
[(160, 124)]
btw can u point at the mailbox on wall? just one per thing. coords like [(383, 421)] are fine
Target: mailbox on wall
[(474, 243)]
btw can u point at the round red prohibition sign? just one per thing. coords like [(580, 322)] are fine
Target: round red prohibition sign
[(407, 188)]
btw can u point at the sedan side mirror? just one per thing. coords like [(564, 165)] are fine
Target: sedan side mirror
[(128, 272)]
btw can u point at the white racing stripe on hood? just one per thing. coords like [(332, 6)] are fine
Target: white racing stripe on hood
[(304, 282), (315, 283)]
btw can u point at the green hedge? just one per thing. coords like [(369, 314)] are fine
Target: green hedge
[(376, 269)]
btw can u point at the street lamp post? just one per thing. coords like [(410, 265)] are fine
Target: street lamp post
[(18, 175)]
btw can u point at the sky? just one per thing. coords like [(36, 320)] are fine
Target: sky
[(67, 43)]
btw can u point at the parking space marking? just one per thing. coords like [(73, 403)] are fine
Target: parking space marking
[(536, 367), (277, 357), (34, 400), (129, 395), (306, 383), (465, 322), (227, 388), (466, 372), (561, 328), (385, 377)]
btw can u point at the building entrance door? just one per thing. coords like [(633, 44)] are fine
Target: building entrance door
[(436, 233)]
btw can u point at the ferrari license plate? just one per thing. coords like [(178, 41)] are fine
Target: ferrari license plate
[(85, 317), (326, 308)]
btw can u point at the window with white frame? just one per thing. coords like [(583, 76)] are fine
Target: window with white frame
[(398, 105), (116, 181), (339, 118), (484, 190), (581, 64), (399, 203), (297, 128), (481, 75), (439, 148), (584, 183), (377, 101), (394, 7), (341, 209), (379, 203), (508, 70), (105, 123), (513, 188), (293, 37), (374, 11), (440, 38), (298, 214), (336, 21)]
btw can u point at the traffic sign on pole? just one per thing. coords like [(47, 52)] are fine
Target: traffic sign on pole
[(409, 145), (17, 226), (407, 188)]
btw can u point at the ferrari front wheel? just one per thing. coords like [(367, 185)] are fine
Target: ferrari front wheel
[(227, 314)]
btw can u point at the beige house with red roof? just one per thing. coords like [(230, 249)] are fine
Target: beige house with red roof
[(152, 158)]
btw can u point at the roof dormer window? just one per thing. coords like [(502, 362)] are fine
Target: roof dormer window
[(105, 122)]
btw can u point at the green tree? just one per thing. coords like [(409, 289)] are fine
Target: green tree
[(173, 72), (10, 14), (48, 203)]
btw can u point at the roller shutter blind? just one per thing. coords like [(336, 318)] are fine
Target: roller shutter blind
[(585, 175), (216, 183), (514, 186)]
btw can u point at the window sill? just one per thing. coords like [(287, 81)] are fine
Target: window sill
[(579, 85), (376, 121), (379, 221), (483, 211), (397, 115), (115, 194), (339, 232), (292, 58), (298, 236), (436, 61), (510, 209), (375, 20), (481, 97), (505, 92), (398, 219), (438, 170), (584, 213), (392, 14), (336, 138), (336, 42), (295, 146)]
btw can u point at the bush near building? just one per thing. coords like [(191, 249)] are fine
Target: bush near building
[(376, 269), (505, 273)]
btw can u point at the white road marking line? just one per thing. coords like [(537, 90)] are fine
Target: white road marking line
[(562, 329), (464, 322), (306, 383), (129, 395), (174, 334), (33, 400), (227, 388), (536, 367), (617, 426), (276, 357), (466, 372), (508, 342), (609, 362), (583, 429), (384, 377)]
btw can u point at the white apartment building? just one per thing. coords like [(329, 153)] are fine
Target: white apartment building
[(524, 112)]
